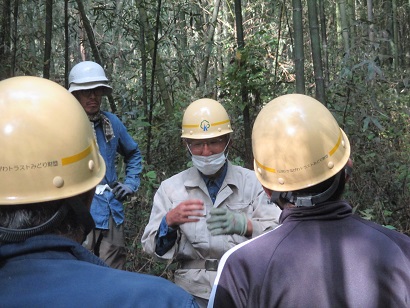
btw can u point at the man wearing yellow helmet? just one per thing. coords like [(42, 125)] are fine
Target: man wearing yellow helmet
[(200, 213), (49, 168), (322, 255), (89, 84)]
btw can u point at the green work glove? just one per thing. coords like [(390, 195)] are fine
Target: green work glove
[(225, 221)]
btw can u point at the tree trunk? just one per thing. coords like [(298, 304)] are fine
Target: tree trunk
[(278, 49), (299, 55), (209, 45), (352, 19), (151, 100), (5, 40), (323, 32), (159, 72), (394, 41), (316, 51), (182, 44), (244, 91), (370, 20), (144, 61), (48, 38), (89, 30), (66, 45), (344, 26), (14, 39), (94, 48)]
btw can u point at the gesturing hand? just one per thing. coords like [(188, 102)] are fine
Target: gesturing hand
[(186, 211), (225, 221)]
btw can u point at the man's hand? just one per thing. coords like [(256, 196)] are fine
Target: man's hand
[(121, 191), (225, 221), (186, 211)]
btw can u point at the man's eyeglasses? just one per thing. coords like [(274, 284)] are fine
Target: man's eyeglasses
[(96, 91), (214, 144)]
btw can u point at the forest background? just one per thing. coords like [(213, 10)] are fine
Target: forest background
[(352, 55)]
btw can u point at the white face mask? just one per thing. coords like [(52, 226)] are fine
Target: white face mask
[(209, 165)]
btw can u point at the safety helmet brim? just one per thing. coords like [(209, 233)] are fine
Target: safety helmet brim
[(90, 85)]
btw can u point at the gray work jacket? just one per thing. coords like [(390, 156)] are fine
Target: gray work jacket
[(240, 191)]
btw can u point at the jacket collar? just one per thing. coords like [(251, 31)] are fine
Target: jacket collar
[(48, 246), (322, 211)]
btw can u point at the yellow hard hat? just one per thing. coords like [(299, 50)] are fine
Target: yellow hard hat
[(49, 149), (297, 143), (205, 118)]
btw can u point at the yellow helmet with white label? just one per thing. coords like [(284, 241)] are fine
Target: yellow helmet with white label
[(49, 149), (297, 143), (205, 118)]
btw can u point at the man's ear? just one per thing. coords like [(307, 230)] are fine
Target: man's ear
[(275, 195)]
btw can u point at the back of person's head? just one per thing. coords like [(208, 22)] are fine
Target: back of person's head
[(299, 150), (205, 118), (50, 162)]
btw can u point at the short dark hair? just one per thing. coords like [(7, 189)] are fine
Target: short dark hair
[(33, 215)]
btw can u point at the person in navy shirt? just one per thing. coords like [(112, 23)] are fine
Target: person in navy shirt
[(321, 254)]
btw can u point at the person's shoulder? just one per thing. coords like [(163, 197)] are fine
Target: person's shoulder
[(237, 168), (111, 116), (152, 290), (385, 238), (241, 174), (116, 122), (180, 176), (400, 239)]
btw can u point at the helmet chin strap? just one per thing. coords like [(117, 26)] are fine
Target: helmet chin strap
[(19, 235), (304, 200), (77, 205)]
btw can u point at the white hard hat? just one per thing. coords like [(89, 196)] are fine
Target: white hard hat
[(87, 75)]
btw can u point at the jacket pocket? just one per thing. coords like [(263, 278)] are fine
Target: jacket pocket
[(238, 207)]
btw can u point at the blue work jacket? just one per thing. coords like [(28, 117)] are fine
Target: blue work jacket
[(53, 271), (122, 143)]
